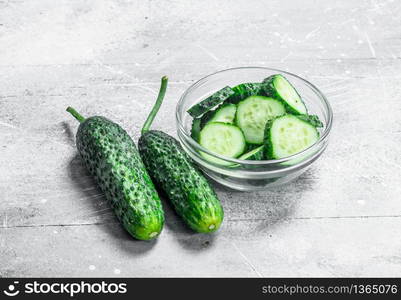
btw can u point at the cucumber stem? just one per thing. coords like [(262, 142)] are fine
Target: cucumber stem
[(157, 105), (75, 114)]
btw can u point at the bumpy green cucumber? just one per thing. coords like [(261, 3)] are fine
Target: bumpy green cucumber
[(175, 173), (278, 87), (210, 102), (287, 135), (112, 158)]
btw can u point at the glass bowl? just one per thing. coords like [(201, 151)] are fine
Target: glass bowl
[(252, 175)]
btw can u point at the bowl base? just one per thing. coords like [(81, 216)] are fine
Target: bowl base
[(252, 185)]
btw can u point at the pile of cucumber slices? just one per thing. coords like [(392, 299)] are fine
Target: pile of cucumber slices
[(254, 121)]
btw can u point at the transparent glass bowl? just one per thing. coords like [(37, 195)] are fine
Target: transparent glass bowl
[(248, 175)]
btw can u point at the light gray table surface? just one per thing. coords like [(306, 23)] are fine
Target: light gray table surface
[(341, 218)]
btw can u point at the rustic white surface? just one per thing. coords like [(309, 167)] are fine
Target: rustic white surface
[(341, 218)]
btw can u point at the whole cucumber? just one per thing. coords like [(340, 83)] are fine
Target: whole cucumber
[(175, 173), (112, 158)]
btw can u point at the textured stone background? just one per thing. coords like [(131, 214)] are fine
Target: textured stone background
[(341, 218)]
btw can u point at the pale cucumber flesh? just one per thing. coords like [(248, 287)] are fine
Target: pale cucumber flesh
[(290, 135), (225, 114), (253, 113), (221, 138)]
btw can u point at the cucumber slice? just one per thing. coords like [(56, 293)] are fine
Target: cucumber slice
[(210, 102), (278, 87), (221, 138), (253, 114), (255, 154), (287, 135), (224, 114), (195, 130), (245, 90)]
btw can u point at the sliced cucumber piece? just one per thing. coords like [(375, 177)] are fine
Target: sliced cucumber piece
[(210, 102), (287, 135), (221, 138), (245, 90), (255, 154), (224, 114), (253, 114), (278, 87), (195, 130)]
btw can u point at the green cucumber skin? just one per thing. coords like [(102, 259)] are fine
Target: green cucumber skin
[(245, 90), (269, 90), (196, 128), (210, 102), (175, 173), (112, 158), (312, 119), (268, 145), (250, 147), (259, 155)]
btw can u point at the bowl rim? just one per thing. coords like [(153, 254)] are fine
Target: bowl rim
[(194, 143)]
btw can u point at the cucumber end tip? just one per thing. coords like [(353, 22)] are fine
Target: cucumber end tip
[(153, 234), (212, 226)]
